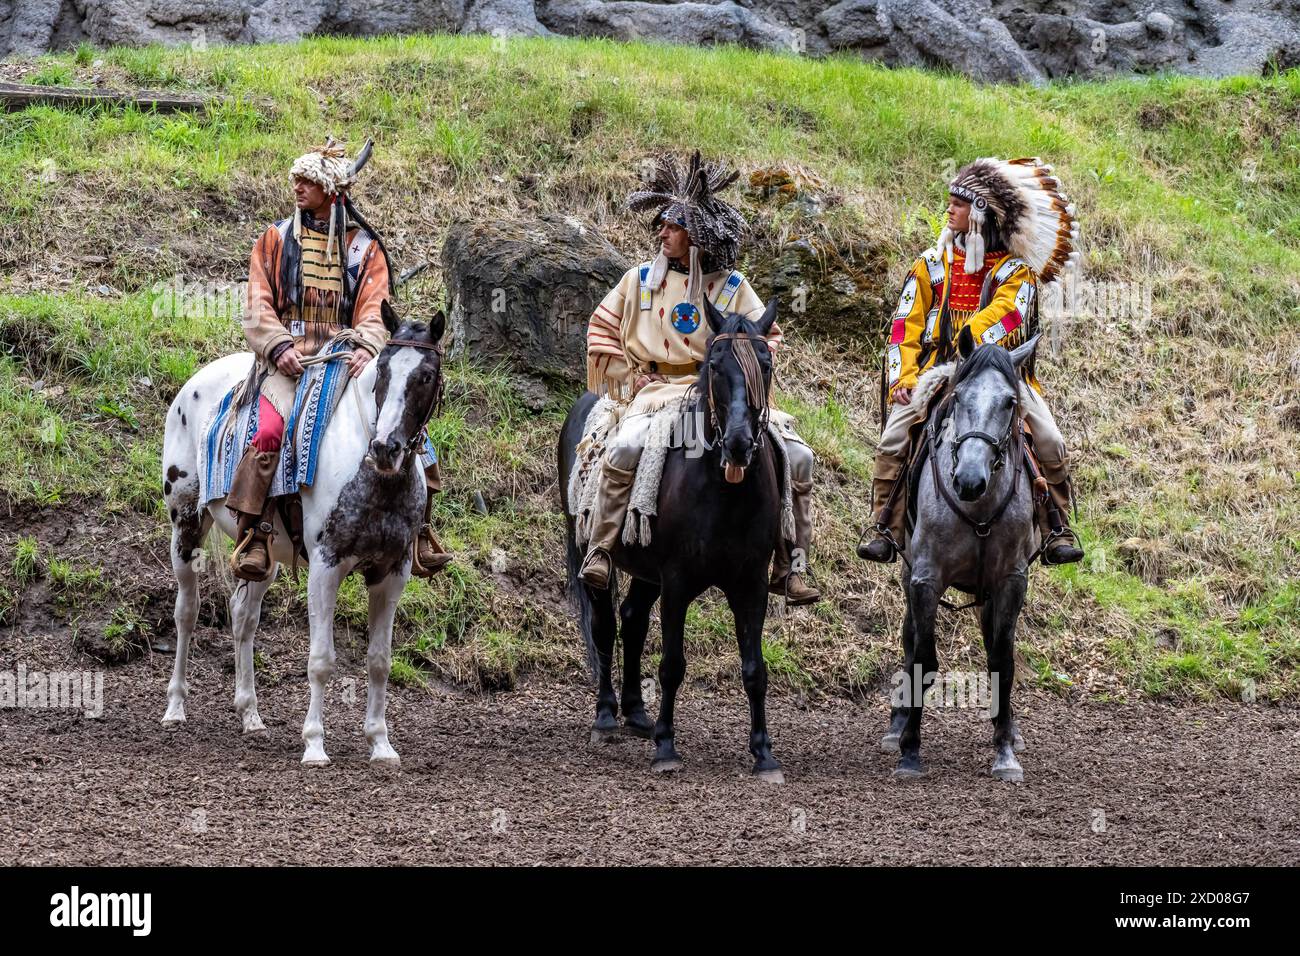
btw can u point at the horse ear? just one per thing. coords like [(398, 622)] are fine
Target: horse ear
[(716, 318), (1024, 353), (965, 342), (769, 317), (391, 322), (437, 327)]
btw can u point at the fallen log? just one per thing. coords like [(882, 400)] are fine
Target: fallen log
[(17, 96)]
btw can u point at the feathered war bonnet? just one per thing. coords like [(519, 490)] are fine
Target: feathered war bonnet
[(689, 199), (1035, 219)]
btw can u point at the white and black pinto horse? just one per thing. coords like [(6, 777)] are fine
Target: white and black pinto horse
[(360, 514)]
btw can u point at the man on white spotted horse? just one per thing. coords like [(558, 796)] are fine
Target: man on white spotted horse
[(646, 342), (310, 277), (1009, 229)]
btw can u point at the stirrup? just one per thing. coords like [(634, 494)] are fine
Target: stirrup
[(869, 551), (422, 570), (267, 532), (600, 583), (1073, 553)]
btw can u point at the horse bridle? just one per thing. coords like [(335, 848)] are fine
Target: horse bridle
[(983, 528), (763, 405), (417, 438), (999, 445)]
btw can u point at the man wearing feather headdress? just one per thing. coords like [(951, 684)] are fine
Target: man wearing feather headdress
[(647, 339), (1009, 229), (309, 278)]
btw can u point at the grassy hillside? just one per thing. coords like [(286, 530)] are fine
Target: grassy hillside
[(1183, 424)]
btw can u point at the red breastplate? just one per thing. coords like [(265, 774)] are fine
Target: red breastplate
[(964, 294)]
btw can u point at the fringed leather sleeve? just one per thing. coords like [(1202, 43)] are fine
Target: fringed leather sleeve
[(607, 368), (262, 326)]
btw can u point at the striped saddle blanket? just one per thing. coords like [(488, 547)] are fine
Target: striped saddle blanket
[(232, 427)]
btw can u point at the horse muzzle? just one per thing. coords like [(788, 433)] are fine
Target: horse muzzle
[(737, 454), (386, 457), (970, 482)]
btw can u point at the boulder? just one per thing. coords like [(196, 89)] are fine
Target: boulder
[(503, 18), (825, 289), (695, 22), (521, 292)]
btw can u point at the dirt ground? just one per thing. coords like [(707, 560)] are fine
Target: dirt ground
[(511, 778)]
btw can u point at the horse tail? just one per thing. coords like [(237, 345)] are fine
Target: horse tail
[(579, 599), (566, 455)]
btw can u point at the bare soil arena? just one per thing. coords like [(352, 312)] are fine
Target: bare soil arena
[(510, 778)]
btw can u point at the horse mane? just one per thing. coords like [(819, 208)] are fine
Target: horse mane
[(983, 358), (733, 322)]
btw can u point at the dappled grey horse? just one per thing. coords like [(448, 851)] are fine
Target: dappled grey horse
[(974, 530)]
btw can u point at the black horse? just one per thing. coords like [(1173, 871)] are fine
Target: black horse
[(718, 525)]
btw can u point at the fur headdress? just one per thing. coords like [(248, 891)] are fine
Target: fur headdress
[(688, 198), (328, 167), (1023, 198)]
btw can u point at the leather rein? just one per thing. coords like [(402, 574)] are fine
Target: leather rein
[(1014, 434)]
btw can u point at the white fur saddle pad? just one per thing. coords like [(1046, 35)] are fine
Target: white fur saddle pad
[(670, 427)]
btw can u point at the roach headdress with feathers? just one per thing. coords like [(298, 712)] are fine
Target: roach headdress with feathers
[(688, 197), (1034, 218)]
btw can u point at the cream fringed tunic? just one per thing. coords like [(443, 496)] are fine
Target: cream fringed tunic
[(638, 331)]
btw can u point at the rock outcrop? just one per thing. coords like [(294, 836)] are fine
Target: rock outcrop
[(989, 40), (521, 292)]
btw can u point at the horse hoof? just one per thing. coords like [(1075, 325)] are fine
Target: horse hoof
[(889, 743), (386, 762), (172, 721), (771, 775), (600, 735), (640, 726), (909, 768), (315, 760), (1009, 771), (254, 728), (667, 765)]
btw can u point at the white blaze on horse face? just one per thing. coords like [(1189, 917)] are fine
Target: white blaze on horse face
[(401, 365)]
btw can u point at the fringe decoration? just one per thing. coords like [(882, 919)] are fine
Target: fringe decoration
[(658, 269), (599, 381), (695, 279), (975, 241), (644, 500), (584, 480)]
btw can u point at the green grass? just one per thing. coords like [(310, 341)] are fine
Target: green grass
[(26, 564), (1183, 184)]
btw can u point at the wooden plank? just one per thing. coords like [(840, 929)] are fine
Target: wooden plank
[(17, 96)]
